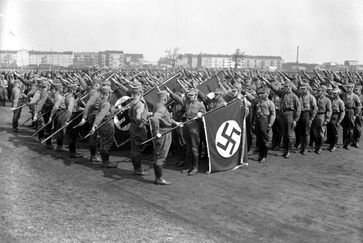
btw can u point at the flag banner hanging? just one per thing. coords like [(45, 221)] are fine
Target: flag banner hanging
[(211, 84), (225, 136), (151, 96)]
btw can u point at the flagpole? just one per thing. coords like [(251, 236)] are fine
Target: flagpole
[(61, 128)]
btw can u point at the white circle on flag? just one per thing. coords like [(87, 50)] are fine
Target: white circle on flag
[(228, 138)]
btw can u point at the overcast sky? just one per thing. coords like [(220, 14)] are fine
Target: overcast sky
[(325, 30)]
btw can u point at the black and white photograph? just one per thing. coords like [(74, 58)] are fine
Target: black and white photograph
[(181, 121)]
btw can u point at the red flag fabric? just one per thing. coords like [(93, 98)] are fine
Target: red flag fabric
[(225, 136)]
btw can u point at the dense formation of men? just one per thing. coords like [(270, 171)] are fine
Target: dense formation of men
[(311, 107)]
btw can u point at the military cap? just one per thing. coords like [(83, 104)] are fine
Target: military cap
[(357, 86), (262, 90), (72, 86), (136, 82), (336, 90), (304, 85), (287, 84), (96, 80), (105, 90), (42, 83), (192, 92), (136, 89), (106, 83), (57, 85), (349, 84), (162, 94), (17, 81), (329, 86)]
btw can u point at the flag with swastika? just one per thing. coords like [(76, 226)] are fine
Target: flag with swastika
[(226, 136)]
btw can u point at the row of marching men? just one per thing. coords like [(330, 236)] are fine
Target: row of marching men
[(312, 112), (285, 110), (53, 111)]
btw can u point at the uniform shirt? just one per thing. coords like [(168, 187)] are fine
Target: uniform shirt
[(289, 101), (16, 97), (44, 100), (191, 108), (277, 102), (211, 103), (324, 107), (92, 104), (338, 108), (308, 103), (70, 102), (34, 100), (264, 107), (103, 113), (3, 83), (178, 112), (138, 112), (31, 92), (161, 119), (58, 103), (352, 101)]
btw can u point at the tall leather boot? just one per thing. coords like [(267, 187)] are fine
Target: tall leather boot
[(319, 142), (287, 147), (195, 165), (159, 180)]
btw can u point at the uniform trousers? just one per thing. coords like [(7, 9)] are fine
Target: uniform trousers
[(262, 133)]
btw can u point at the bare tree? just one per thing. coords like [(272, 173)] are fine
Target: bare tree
[(173, 56), (237, 57)]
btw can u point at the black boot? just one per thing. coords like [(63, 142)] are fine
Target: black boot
[(194, 166), (287, 147), (159, 180)]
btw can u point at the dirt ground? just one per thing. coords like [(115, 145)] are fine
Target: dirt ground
[(45, 196)]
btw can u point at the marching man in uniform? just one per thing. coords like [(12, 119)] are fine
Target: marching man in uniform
[(161, 122), (138, 114), (106, 131), (309, 109), (264, 115), (352, 109), (338, 113), (16, 97), (322, 118), (358, 120), (89, 114), (193, 108)]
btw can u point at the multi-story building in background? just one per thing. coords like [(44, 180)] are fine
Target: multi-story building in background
[(262, 62), (50, 58), (134, 59), (8, 59), (110, 59), (85, 59), (228, 61)]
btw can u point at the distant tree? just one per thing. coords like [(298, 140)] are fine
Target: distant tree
[(173, 56), (237, 57)]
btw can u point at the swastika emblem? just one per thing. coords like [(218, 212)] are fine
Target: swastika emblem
[(228, 138)]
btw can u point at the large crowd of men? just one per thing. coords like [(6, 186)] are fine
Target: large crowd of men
[(313, 107)]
